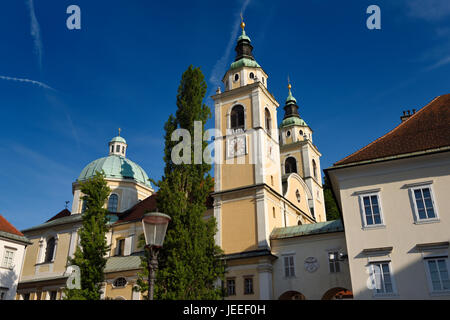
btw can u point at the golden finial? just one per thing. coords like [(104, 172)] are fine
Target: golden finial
[(242, 22), (119, 131), (289, 84)]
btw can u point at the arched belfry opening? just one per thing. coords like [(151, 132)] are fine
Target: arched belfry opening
[(290, 165)]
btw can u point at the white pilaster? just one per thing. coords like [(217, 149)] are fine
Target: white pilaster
[(265, 280)]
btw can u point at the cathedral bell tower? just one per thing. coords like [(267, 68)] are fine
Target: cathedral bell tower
[(299, 155), (247, 178)]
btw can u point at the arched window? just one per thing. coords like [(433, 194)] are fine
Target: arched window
[(314, 168), (83, 206), (237, 117), (112, 203), (268, 120), (290, 165), (120, 282), (251, 75), (301, 133), (50, 249), (297, 194)]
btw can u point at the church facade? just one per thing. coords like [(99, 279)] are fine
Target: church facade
[(267, 180)]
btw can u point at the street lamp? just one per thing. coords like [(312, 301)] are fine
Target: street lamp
[(155, 227)]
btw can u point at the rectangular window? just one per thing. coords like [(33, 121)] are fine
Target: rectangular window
[(231, 287), (371, 210), (333, 259), (8, 259), (120, 247), (438, 273), (381, 278), (289, 267), (248, 286), (423, 203)]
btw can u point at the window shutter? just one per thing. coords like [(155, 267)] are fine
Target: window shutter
[(127, 247)]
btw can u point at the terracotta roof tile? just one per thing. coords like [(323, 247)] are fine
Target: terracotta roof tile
[(427, 129), (149, 205), (138, 210), (5, 226)]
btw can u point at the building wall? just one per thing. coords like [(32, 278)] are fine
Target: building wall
[(239, 270), (390, 180), (129, 193), (34, 265), (9, 278), (312, 285)]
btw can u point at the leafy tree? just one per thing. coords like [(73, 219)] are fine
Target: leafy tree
[(331, 207), (189, 262), (90, 255)]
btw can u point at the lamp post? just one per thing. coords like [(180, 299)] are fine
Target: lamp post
[(155, 227)]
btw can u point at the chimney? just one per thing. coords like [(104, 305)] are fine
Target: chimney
[(407, 114)]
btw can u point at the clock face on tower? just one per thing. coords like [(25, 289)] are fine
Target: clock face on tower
[(236, 146)]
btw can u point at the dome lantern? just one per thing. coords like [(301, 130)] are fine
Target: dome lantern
[(118, 146)]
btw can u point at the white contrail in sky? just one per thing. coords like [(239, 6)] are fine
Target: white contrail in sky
[(220, 66), (40, 84), (35, 32)]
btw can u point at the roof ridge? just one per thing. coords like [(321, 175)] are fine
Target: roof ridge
[(388, 133), (9, 225)]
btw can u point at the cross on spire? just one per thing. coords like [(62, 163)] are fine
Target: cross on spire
[(119, 131)]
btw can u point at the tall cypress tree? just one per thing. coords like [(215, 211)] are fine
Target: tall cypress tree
[(90, 255), (189, 262)]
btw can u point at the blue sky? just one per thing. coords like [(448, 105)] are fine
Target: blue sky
[(123, 67)]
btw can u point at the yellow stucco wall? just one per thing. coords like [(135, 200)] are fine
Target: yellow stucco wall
[(239, 226), (239, 270)]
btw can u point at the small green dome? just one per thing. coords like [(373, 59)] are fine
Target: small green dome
[(290, 98), (117, 167), (118, 139), (243, 36), (293, 121), (244, 62)]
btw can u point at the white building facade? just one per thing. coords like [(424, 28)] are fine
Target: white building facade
[(12, 250)]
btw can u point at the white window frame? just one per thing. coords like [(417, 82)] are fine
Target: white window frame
[(10, 263), (427, 271), (123, 286), (373, 279), (335, 261), (291, 267), (363, 212), (417, 219)]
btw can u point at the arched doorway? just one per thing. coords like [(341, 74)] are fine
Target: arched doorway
[(292, 295), (337, 294)]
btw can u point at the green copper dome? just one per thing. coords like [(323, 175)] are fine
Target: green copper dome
[(244, 62), (118, 139), (115, 166), (293, 121), (290, 98), (243, 36)]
